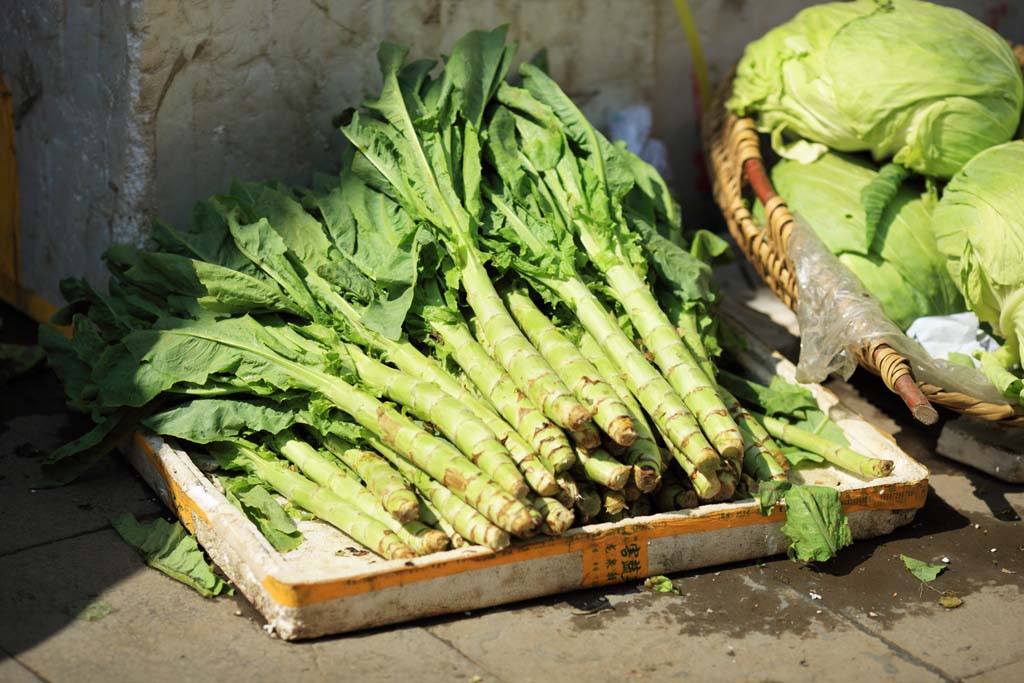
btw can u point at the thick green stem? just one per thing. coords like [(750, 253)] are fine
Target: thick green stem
[(557, 517), (513, 350), (429, 402), (586, 437), (469, 523), (431, 517), (586, 382), (568, 489), (603, 469), (589, 503), (496, 385), (840, 456), (655, 394), (413, 362), (319, 500), (643, 454), (344, 483), (759, 449), (434, 456), (675, 360), (674, 496), (613, 502), (385, 483)]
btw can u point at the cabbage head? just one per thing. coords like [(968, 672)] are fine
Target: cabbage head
[(898, 261), (926, 85), (979, 226)]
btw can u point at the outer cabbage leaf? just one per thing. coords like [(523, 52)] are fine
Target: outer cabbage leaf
[(882, 77), (899, 261), (979, 226)]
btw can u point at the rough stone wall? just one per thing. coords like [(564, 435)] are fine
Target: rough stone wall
[(143, 107), (83, 175)]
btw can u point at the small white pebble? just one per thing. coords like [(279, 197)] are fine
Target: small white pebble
[(710, 611), (817, 611), (872, 614), (977, 526), (993, 550), (945, 560), (814, 596)]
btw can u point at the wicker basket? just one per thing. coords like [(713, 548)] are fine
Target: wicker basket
[(733, 148)]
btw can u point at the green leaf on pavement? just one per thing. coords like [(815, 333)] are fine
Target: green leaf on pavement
[(169, 548), (922, 570), (950, 601), (661, 584)]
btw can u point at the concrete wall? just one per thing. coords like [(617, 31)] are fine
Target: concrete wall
[(140, 108)]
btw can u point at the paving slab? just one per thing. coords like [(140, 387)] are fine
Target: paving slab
[(1014, 671), (33, 516), (13, 672), (159, 630), (736, 626)]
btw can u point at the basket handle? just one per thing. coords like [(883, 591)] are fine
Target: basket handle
[(893, 368)]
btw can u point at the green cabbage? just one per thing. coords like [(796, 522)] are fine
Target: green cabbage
[(899, 261), (979, 226), (926, 85)]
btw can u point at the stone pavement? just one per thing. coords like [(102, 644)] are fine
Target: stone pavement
[(859, 618)]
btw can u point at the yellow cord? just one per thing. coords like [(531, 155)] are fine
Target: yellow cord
[(700, 67)]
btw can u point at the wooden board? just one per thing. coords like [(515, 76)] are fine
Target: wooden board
[(327, 585)]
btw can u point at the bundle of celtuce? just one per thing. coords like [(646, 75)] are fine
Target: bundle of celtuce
[(458, 339)]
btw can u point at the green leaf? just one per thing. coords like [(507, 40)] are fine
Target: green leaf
[(770, 492), (661, 584), (878, 193), (797, 456), (71, 460), (169, 548), (815, 523), (922, 570), (17, 359), (782, 398), (960, 359), (249, 495), (203, 420), (94, 610), (950, 601)]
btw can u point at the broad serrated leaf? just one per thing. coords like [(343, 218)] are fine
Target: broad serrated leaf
[(815, 523), (249, 495), (169, 548), (770, 492)]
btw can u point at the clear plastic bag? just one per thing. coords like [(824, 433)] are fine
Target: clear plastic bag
[(837, 315)]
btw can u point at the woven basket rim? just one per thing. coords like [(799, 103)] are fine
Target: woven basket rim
[(733, 149)]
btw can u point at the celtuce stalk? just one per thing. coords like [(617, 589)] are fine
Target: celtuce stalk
[(760, 452), (557, 517), (413, 362), (429, 402), (495, 384), (513, 351), (390, 488), (321, 502), (840, 456), (643, 454), (431, 517), (588, 505), (346, 485), (653, 392), (579, 374), (469, 523), (603, 469)]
